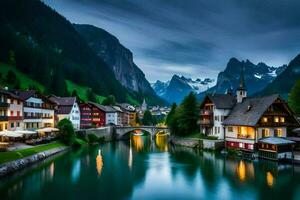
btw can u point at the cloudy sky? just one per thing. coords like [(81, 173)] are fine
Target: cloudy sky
[(194, 38)]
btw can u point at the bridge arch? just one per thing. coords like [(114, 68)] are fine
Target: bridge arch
[(124, 132)]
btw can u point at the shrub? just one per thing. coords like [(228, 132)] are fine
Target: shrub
[(92, 138), (78, 143), (66, 131)]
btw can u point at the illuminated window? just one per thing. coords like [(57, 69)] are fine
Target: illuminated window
[(276, 119), (265, 132), (265, 119), (250, 146), (282, 119), (278, 132), (241, 145), (230, 129)]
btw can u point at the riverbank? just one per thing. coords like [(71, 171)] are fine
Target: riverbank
[(206, 144), (16, 160)]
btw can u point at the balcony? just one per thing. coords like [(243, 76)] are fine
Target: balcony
[(3, 118), (207, 122), (4, 105), (15, 118), (206, 112)]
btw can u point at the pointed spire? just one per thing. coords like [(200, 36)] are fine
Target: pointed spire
[(242, 85)]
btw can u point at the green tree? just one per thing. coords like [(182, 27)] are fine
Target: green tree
[(66, 131), (10, 77), (109, 100), (11, 57), (294, 98), (171, 114), (188, 115), (91, 95), (148, 118)]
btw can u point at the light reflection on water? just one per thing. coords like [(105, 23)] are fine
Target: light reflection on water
[(146, 168)]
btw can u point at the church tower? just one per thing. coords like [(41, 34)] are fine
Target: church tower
[(241, 91), (144, 106)]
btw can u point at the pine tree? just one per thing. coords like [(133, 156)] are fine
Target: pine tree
[(294, 98), (91, 95), (11, 57), (188, 115), (171, 114), (148, 118)]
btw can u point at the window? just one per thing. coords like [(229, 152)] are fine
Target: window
[(264, 119), (18, 113), (12, 125), (276, 119), (282, 119), (265, 132), (278, 132), (218, 129), (18, 124), (11, 113), (241, 145), (250, 146), (230, 129)]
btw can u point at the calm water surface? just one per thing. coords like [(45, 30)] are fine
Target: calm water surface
[(145, 169)]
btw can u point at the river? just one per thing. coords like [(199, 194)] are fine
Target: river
[(145, 169)]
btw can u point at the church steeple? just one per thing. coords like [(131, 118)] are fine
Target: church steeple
[(241, 91)]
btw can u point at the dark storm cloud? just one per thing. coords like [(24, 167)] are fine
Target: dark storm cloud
[(194, 37)]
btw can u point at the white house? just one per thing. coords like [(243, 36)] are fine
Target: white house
[(111, 116), (213, 110), (67, 108), (38, 110)]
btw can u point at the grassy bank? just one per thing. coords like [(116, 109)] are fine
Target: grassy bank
[(14, 155)]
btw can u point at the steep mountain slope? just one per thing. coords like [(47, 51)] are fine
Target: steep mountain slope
[(257, 77), (119, 58), (47, 48), (284, 82), (176, 89)]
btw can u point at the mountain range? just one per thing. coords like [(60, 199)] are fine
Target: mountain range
[(45, 47), (179, 86), (257, 77)]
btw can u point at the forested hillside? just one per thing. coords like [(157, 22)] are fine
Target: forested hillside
[(44, 45)]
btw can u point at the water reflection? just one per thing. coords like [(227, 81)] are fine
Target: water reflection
[(99, 162), (151, 169), (76, 171), (270, 179), (161, 142)]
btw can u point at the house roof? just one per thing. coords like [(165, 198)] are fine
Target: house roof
[(103, 108), (24, 95), (63, 101), (12, 95), (222, 101), (249, 111), (276, 140)]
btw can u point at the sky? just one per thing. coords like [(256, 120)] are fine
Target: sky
[(194, 38)]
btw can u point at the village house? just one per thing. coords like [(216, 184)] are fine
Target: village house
[(92, 115), (67, 108), (38, 110), (11, 111), (122, 117), (131, 111), (213, 110), (111, 116), (256, 118)]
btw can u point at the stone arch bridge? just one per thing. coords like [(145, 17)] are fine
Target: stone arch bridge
[(123, 131)]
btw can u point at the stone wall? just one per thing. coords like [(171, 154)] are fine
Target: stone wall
[(106, 132), (198, 143), (15, 165)]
